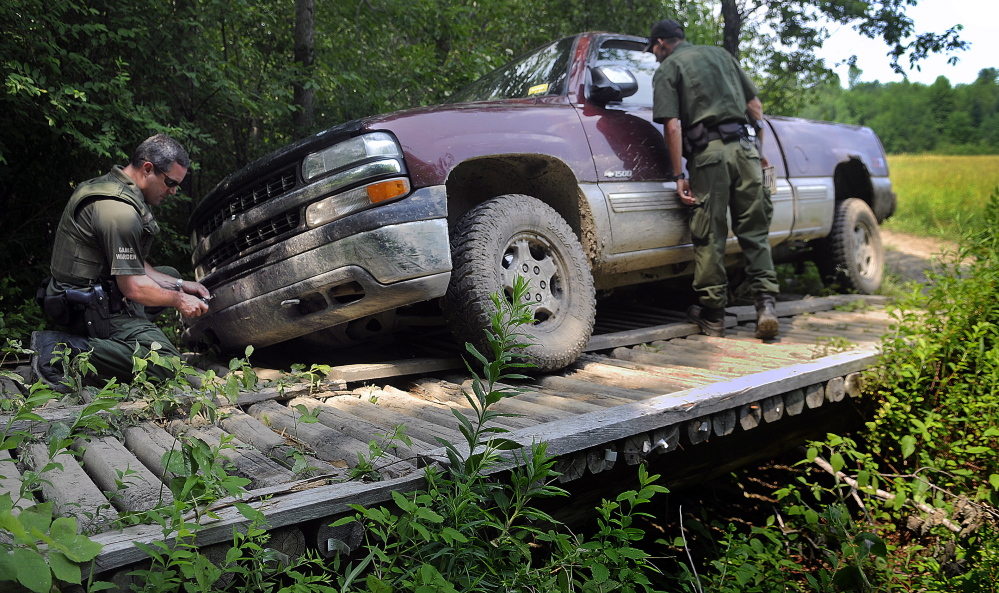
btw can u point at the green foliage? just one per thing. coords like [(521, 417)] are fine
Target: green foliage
[(467, 532), (917, 118)]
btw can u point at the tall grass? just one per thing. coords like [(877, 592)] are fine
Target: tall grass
[(940, 195)]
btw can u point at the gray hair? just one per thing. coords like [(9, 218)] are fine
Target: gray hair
[(162, 151)]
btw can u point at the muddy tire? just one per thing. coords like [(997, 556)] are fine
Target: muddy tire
[(852, 256), (515, 235)]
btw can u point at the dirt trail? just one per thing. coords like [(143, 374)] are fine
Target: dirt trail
[(909, 256)]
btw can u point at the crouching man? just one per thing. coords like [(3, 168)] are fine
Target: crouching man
[(102, 291)]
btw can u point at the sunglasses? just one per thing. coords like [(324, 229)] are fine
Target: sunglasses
[(167, 180)]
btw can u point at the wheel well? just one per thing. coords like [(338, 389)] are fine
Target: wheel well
[(853, 180), (543, 177)]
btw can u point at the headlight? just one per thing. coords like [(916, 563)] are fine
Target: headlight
[(359, 198), (348, 152)]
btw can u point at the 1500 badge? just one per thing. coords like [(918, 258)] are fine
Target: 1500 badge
[(618, 174)]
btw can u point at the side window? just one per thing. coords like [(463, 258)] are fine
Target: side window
[(541, 72), (629, 55)]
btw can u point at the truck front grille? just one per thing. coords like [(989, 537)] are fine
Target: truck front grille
[(251, 237), (265, 189)]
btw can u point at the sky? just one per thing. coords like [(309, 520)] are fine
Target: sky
[(979, 18)]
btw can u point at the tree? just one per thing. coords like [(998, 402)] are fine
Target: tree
[(796, 30), (305, 54)]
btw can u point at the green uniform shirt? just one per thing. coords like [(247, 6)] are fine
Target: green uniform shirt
[(106, 230), (701, 83)]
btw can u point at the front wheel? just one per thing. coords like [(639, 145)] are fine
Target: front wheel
[(852, 255), (517, 235)]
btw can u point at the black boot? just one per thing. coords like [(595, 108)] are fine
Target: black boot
[(711, 321), (766, 316), (44, 344)]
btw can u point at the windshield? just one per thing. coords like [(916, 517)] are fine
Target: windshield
[(541, 72), (630, 55)]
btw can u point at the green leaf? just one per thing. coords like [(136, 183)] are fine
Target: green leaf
[(837, 462), (8, 568), (872, 543), (994, 481), (32, 571), (849, 578), (600, 572), (64, 569), (37, 517), (80, 548), (908, 445)]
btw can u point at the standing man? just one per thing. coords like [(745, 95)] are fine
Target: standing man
[(101, 283), (706, 102)]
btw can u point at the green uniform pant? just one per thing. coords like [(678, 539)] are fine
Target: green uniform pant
[(132, 335), (726, 177)]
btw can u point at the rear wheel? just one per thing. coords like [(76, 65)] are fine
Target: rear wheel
[(517, 235), (852, 256)]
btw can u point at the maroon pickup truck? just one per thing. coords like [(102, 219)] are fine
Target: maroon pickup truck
[(549, 167)]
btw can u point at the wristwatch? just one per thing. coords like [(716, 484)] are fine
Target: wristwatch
[(679, 177), (179, 285)]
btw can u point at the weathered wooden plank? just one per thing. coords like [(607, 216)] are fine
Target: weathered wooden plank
[(815, 395), (749, 350), (248, 462), (359, 428), (71, 490), (414, 366), (635, 447), (668, 358), (853, 384), (10, 483), (773, 408), (794, 402), (666, 439), (328, 444), (67, 414), (599, 459), (639, 336), (571, 467), (290, 508), (248, 398), (835, 389), (699, 430), (434, 412), (621, 422), (251, 430), (579, 387), (149, 442), (790, 308), (342, 539), (723, 423), (104, 457), (574, 402), (416, 428), (750, 415)]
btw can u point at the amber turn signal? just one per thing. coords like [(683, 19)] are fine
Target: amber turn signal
[(386, 190)]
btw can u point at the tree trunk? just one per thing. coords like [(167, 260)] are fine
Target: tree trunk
[(305, 32), (733, 27)]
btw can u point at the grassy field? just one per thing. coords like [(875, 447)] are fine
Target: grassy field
[(940, 195)]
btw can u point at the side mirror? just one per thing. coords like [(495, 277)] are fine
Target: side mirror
[(611, 83)]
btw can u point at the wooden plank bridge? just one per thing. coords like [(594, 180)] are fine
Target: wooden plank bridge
[(648, 385)]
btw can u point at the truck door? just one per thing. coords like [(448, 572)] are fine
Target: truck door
[(630, 156)]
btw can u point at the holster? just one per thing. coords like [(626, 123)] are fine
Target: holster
[(97, 314), (67, 309)]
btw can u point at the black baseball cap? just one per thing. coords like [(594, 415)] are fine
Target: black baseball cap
[(664, 29)]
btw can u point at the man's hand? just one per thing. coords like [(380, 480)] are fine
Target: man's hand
[(683, 190), (191, 305), (195, 288)]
